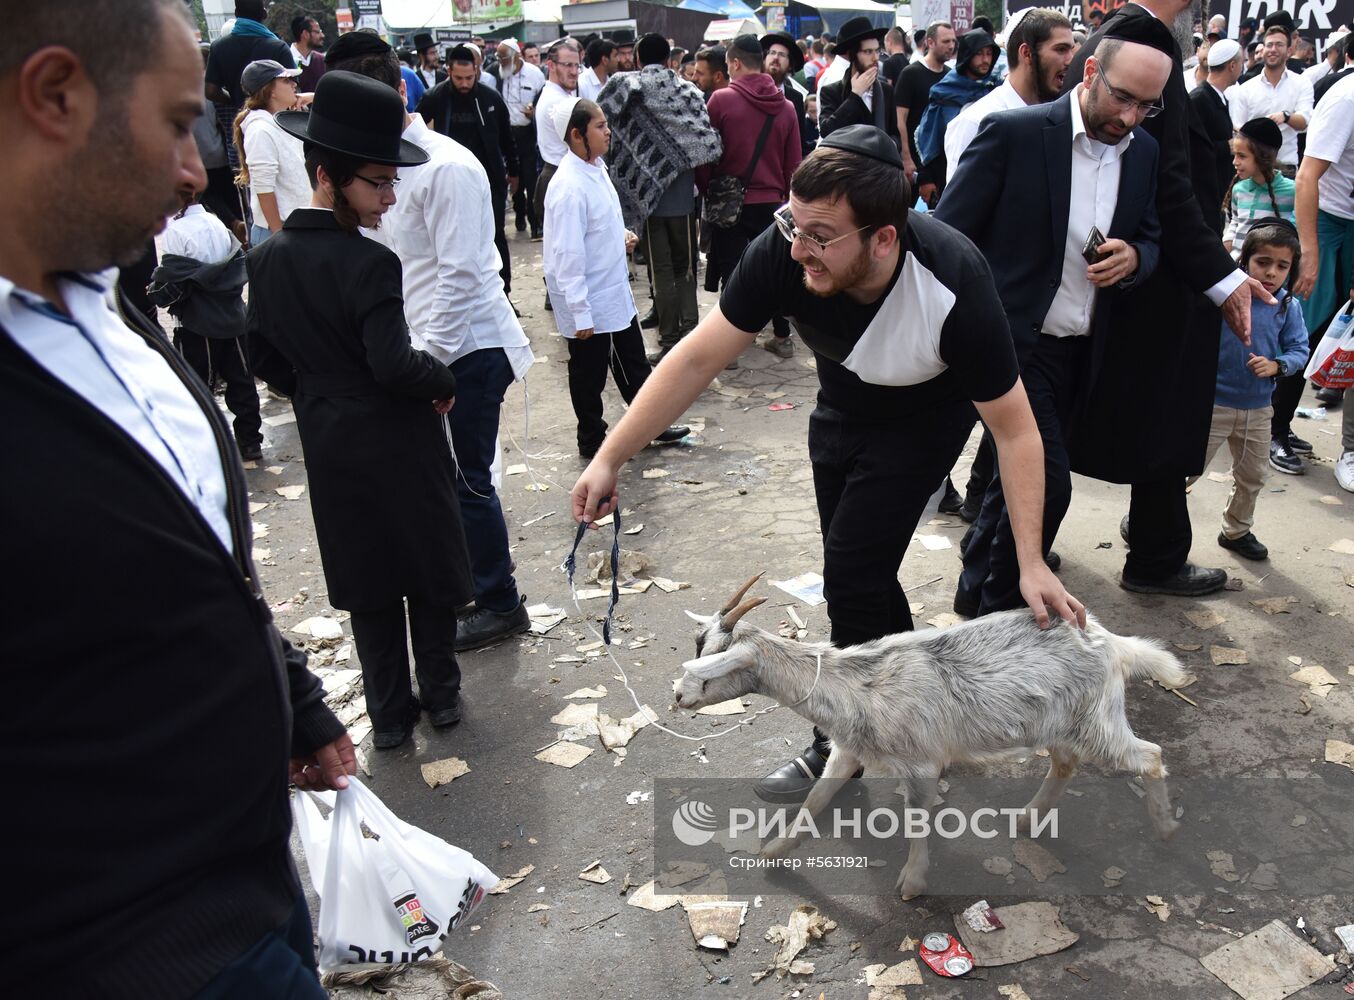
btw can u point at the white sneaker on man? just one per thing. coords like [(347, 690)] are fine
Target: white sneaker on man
[(1344, 472)]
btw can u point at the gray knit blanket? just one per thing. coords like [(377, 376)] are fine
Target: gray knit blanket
[(659, 128)]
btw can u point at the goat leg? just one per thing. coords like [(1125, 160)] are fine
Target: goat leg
[(1062, 765), (920, 785), (839, 769), (1158, 798)]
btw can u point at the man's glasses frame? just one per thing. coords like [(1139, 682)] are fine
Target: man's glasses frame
[(816, 245), (1128, 101), (385, 187)]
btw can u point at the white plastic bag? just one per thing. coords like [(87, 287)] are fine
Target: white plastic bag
[(389, 892), (1332, 364)]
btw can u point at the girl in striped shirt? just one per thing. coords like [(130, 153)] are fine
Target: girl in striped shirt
[(1258, 190)]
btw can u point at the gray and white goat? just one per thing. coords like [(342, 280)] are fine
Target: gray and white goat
[(911, 704)]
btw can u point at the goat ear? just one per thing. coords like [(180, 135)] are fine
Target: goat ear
[(699, 619), (707, 668)]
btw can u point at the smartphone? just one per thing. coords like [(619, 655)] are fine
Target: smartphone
[(1090, 250)]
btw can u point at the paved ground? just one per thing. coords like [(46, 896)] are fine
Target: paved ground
[(737, 500)]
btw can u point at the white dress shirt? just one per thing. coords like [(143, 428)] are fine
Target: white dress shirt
[(960, 132), (1096, 167), (1317, 72), (552, 147), (834, 72), (301, 61), (277, 166), (442, 229), (93, 353), (200, 235), (1331, 138), (584, 251), (588, 84), (519, 91), (1258, 98)]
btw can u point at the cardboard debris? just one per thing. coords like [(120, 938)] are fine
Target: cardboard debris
[(934, 543), (1331, 501), (444, 772), (1159, 906), (538, 907), (1320, 680), (544, 617), (944, 620), (619, 734), (1222, 865), (1265, 878), (716, 925), (291, 492), (1346, 936), (999, 866), (807, 587), (1275, 605), (564, 754), (805, 924), (1219, 477), (435, 978), (1227, 656), (515, 470), (508, 881), (1205, 618), (1112, 876), (1013, 992), (595, 873), (1188, 647), (1340, 752), (276, 470), (594, 593), (319, 627), (1345, 546), (734, 706), (598, 692), (261, 555), (575, 715), (1031, 930), (632, 565), (669, 586), (655, 473), (255, 507), (905, 973), (646, 897), (633, 531), (1036, 860), (635, 798), (1268, 964), (279, 419)]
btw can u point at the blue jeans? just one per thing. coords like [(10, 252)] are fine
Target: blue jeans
[(281, 966), (258, 234), (482, 377)]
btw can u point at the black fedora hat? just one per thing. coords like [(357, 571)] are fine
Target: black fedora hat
[(855, 31), (358, 117), (784, 38), (623, 37), (423, 41)]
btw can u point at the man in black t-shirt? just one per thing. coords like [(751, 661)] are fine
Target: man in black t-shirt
[(912, 92), (909, 336), (248, 41), (895, 44)]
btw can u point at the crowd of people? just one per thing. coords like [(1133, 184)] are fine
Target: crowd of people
[(333, 221)]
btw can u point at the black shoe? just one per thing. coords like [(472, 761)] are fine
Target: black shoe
[(521, 224), (537, 235), (674, 433), (791, 782), (951, 502), (1298, 445), (1053, 561), (1283, 459), (1247, 546), (968, 513), (482, 626), (389, 739), (449, 716), (649, 321), (254, 452), (1190, 581), (548, 307), (965, 606), (964, 542), (1123, 528), (588, 451), (1330, 398)]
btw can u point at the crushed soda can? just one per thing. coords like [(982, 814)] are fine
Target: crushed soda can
[(945, 955)]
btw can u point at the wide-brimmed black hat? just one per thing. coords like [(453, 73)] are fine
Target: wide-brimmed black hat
[(623, 37), (358, 117), (855, 31), (784, 38), (423, 41)]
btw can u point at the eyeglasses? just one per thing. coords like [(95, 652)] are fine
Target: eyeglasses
[(385, 187), (1130, 103), (815, 245), (566, 65)]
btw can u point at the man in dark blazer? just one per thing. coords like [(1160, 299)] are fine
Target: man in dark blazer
[(1057, 162), (429, 68), (1147, 423), (781, 57), (859, 97), (1211, 146)]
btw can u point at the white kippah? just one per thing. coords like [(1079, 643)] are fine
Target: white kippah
[(1222, 52), (560, 115)]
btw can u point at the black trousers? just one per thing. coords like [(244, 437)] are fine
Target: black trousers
[(623, 353), (222, 197), (211, 358), (524, 136), (727, 246), (382, 649), (1052, 375), (1158, 529), (670, 243), (982, 470), (280, 966), (1288, 390), (500, 199)]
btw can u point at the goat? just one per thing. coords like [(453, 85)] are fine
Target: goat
[(911, 704)]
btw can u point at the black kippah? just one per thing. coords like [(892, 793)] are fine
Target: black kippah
[(1263, 131), (355, 45), (865, 140), (1144, 29)]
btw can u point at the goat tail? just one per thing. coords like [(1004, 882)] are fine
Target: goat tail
[(1138, 657)]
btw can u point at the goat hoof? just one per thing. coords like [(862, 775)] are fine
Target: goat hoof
[(779, 847), (1166, 829), (911, 890)]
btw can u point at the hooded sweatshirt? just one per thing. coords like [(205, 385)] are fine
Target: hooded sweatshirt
[(738, 113), (952, 94)]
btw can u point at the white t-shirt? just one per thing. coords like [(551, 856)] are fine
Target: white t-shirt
[(1330, 137), (552, 147), (277, 166), (960, 132)]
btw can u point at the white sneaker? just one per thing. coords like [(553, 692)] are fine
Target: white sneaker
[(1344, 472)]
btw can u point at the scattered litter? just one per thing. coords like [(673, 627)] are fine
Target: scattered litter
[(1298, 821), (1317, 678), (1014, 991), (544, 618), (1035, 859), (1265, 878), (598, 692), (1346, 936), (934, 543), (277, 420), (633, 531), (669, 586), (538, 907), (905, 973), (619, 734), (716, 925), (1188, 647), (635, 798), (1104, 545), (1205, 618), (564, 754), (778, 407), (945, 955), (595, 873), (655, 473), (1222, 865), (568, 658), (508, 881), (1275, 605), (319, 627), (1220, 477), (1031, 930), (444, 772), (999, 866), (1112, 876), (1295, 660), (537, 487), (807, 587), (1311, 413), (1159, 906), (1234, 583), (291, 492), (276, 470), (534, 520), (255, 507), (428, 979), (1226, 656), (260, 530), (1331, 501), (633, 564), (981, 917), (1268, 964), (806, 923), (515, 470), (794, 616), (261, 555), (647, 897), (1340, 752), (944, 620), (773, 395), (575, 715), (907, 944), (734, 706), (605, 522), (1345, 546)]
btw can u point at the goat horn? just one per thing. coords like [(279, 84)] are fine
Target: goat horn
[(733, 601), (731, 617)]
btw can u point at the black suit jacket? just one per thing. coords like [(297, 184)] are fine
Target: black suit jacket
[(807, 136), (1211, 153), (1013, 189), (1146, 423), (839, 106)]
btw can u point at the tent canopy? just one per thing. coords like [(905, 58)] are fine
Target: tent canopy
[(730, 28), (724, 8)]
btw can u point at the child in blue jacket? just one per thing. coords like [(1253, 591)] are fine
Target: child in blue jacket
[(1241, 403)]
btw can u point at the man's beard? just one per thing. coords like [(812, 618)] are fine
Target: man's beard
[(1044, 89), (849, 278), (1182, 28)]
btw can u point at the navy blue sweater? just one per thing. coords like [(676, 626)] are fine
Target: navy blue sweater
[(1278, 333)]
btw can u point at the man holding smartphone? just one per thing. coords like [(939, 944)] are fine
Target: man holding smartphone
[(1085, 165)]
